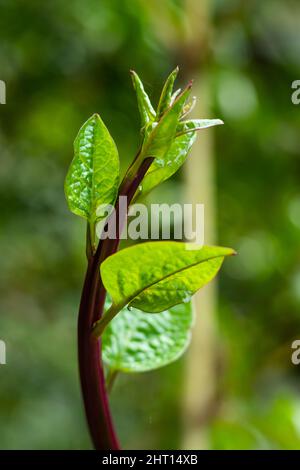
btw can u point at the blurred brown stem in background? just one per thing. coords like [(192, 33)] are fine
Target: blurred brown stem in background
[(192, 55), (200, 379)]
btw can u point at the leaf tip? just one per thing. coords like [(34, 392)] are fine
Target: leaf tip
[(175, 73), (231, 252), (186, 91), (95, 117), (134, 77)]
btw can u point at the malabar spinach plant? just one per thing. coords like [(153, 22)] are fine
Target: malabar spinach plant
[(146, 321)]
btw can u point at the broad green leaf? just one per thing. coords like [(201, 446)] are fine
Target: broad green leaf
[(166, 94), (162, 169), (155, 276), (93, 176), (146, 110), (137, 342)]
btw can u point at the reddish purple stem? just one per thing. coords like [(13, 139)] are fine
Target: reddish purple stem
[(92, 378)]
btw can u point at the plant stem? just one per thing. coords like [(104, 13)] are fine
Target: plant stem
[(101, 324), (91, 369), (89, 347), (110, 379)]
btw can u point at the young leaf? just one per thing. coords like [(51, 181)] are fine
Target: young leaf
[(138, 342), (189, 107), (93, 175), (174, 96), (162, 169), (160, 138), (196, 125), (162, 274), (166, 94), (146, 110)]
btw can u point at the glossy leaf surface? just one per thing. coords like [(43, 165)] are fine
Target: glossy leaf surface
[(138, 342), (162, 274), (162, 169), (93, 176), (146, 110)]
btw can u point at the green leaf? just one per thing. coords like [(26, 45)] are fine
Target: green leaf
[(154, 276), (137, 342), (196, 125), (146, 110), (166, 94), (160, 135), (93, 176), (189, 107), (162, 169), (174, 95)]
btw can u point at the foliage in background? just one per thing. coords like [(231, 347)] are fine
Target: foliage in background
[(256, 58)]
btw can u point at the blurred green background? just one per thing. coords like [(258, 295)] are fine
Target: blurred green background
[(63, 61)]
